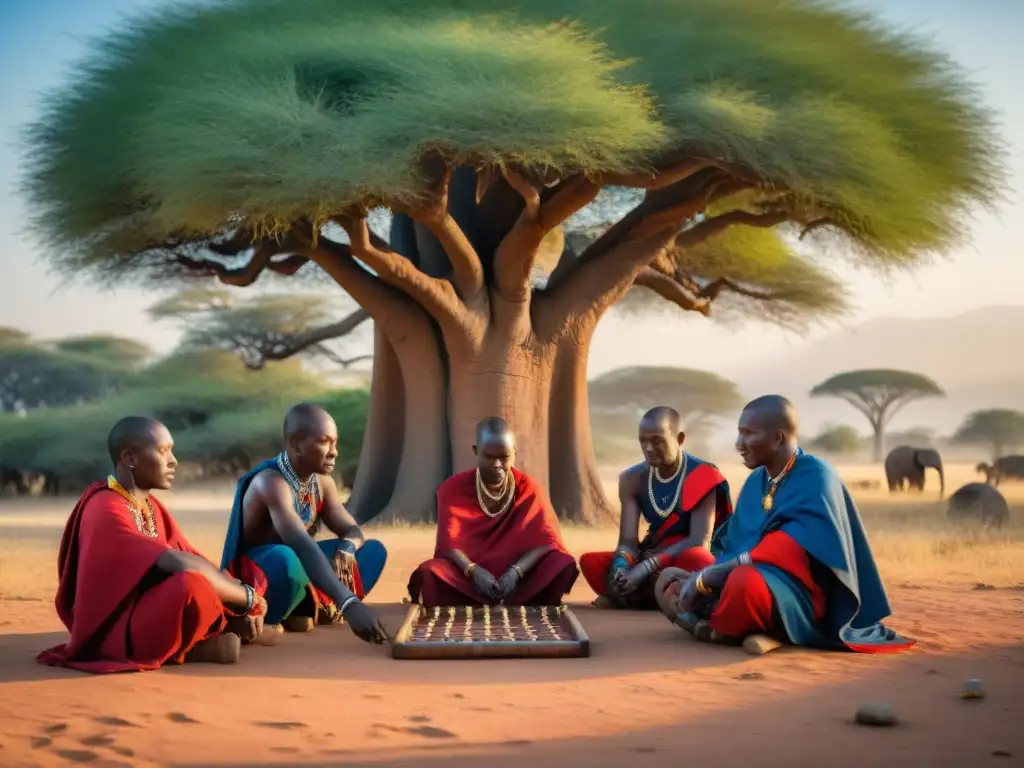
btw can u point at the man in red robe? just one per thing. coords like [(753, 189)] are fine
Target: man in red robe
[(133, 593), (498, 540), (682, 499)]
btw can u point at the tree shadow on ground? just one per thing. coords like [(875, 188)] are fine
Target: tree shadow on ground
[(621, 643), (772, 727)]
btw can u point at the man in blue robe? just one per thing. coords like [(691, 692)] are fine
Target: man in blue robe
[(793, 561), (279, 507)]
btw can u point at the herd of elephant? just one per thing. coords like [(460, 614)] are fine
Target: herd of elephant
[(905, 470)]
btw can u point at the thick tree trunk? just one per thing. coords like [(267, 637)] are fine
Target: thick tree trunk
[(385, 430), (577, 490), (878, 442), (509, 375)]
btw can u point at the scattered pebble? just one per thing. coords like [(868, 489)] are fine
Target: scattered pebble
[(932, 671), (1001, 753), (876, 713), (972, 690), (983, 585), (752, 675)]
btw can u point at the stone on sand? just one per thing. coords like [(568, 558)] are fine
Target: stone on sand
[(876, 713), (759, 645), (972, 689)]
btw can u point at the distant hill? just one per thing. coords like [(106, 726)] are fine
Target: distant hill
[(977, 358)]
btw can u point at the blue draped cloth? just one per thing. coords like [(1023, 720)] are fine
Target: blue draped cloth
[(814, 507), (287, 580)]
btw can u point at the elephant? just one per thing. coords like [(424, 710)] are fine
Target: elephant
[(978, 501), (1003, 468), (906, 464)]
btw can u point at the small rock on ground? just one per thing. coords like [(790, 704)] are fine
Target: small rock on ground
[(972, 689), (876, 713)]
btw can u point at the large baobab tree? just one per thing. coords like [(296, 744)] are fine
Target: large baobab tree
[(255, 136), (879, 395)]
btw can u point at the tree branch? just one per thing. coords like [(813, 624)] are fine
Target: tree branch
[(517, 253), (436, 296), (467, 271), (671, 289), (658, 179)]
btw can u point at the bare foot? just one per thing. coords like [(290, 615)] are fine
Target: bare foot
[(298, 624), (222, 649), (269, 635), (759, 645)]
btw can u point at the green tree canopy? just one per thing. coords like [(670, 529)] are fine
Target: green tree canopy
[(697, 395), (837, 439), (253, 136), (117, 352), (878, 394), (260, 328), (1001, 429)]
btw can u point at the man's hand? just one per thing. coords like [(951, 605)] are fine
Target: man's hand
[(250, 626), (509, 584), (631, 580), (365, 623), (484, 583), (688, 594)]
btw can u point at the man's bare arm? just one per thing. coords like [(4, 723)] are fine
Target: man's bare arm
[(337, 518), (629, 522), (702, 526), (274, 492), (229, 591), (531, 557)]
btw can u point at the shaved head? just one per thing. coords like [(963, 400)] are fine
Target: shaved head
[(662, 415), (311, 438), (495, 450), (661, 437), (776, 412), (495, 430), (132, 433), (766, 434), (304, 419)]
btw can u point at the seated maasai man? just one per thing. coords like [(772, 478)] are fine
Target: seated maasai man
[(793, 563), (278, 509), (682, 499), (498, 540), (133, 593)]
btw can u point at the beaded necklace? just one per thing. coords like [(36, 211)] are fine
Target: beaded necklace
[(306, 495), (505, 495), (773, 485), (680, 473), (142, 513)]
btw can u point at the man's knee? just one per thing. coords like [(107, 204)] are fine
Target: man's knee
[(666, 589)]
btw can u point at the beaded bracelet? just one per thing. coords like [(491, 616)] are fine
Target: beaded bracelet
[(250, 598), (744, 558)]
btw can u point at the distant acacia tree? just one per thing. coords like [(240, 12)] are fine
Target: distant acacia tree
[(1001, 429), (838, 440), (697, 395), (261, 328), (879, 395), (237, 138), (64, 372)]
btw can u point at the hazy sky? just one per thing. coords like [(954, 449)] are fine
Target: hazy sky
[(40, 39)]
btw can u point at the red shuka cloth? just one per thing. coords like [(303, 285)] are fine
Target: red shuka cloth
[(102, 562), (494, 543), (746, 603)]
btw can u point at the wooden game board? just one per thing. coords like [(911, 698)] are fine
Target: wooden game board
[(490, 632)]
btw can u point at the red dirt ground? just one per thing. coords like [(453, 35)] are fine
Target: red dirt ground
[(647, 696)]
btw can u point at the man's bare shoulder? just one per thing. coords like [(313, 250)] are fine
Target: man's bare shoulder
[(630, 477), (265, 483)]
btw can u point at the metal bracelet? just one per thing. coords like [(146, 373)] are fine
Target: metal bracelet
[(348, 602), (701, 586), (518, 569), (250, 598), (744, 558), (469, 569)]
